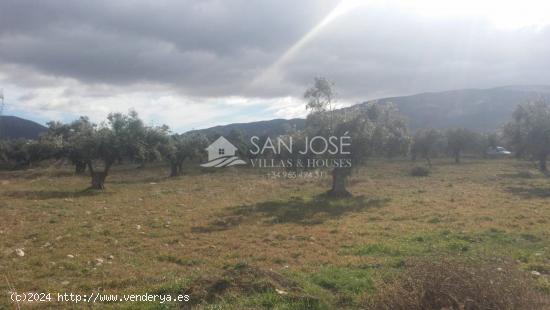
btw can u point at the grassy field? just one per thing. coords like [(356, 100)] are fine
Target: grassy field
[(150, 233)]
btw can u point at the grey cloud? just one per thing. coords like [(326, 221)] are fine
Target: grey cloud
[(398, 54), (214, 48)]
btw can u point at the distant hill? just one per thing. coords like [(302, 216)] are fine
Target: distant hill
[(273, 127), (13, 127), (476, 109)]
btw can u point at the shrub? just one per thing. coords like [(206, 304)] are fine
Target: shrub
[(420, 172), (452, 284)]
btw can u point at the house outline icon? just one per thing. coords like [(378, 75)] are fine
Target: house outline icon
[(220, 148)]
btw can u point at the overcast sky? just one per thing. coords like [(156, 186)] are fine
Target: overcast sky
[(195, 64)]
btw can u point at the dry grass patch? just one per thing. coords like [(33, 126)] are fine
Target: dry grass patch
[(146, 226), (247, 285), (437, 284)]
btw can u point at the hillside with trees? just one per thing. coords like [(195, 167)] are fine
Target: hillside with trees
[(476, 109)]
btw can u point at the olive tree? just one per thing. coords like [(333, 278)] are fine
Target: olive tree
[(41, 149), (372, 130), (151, 143), (460, 140), (15, 153), (320, 99), (183, 147), (101, 146), (392, 135), (529, 131), (67, 136), (23, 153), (375, 130), (426, 144)]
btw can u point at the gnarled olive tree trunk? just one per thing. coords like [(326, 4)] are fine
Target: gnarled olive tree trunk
[(79, 167), (339, 182), (98, 177), (174, 169)]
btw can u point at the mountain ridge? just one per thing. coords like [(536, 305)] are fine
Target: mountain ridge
[(473, 108), (14, 127), (480, 109)]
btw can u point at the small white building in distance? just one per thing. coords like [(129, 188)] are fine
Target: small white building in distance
[(220, 148)]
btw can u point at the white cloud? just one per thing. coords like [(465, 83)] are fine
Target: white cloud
[(155, 104)]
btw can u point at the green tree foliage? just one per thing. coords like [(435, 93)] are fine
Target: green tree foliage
[(391, 134), (3, 151), (122, 136), (183, 147), (460, 140), (23, 153), (68, 136), (152, 140), (41, 149), (375, 130), (427, 143), (529, 131), (15, 153), (320, 99)]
